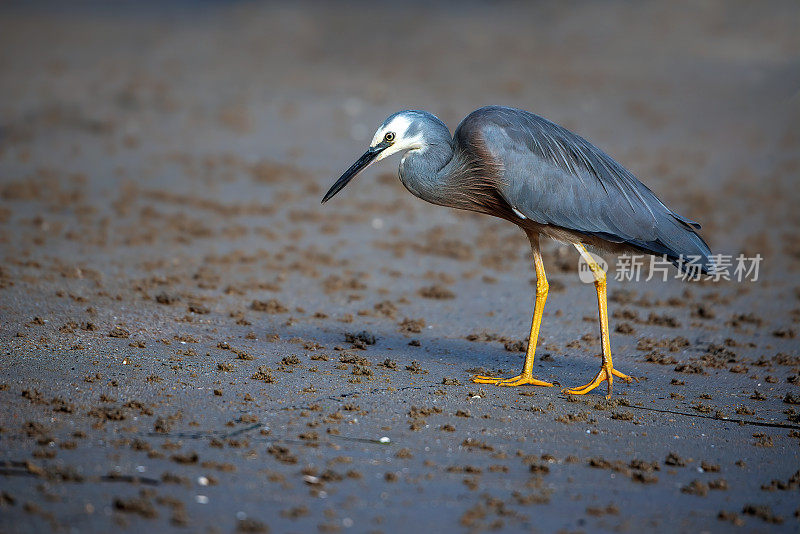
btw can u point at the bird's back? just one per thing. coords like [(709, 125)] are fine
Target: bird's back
[(559, 180)]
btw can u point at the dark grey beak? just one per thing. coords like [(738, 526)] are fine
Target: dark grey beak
[(362, 163)]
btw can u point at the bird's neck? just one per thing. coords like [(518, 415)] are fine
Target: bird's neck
[(423, 171)]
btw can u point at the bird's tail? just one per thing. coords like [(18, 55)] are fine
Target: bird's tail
[(685, 248)]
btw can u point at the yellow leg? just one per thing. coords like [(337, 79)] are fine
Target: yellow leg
[(607, 371), (526, 376)]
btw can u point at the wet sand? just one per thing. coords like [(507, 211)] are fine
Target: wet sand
[(192, 343)]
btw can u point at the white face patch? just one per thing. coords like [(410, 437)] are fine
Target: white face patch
[(399, 126)]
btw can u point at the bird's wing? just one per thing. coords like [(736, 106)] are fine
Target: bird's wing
[(555, 177)]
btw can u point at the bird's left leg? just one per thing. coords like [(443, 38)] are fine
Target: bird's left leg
[(607, 371), (526, 376)]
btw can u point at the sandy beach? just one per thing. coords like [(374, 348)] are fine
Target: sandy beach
[(192, 343)]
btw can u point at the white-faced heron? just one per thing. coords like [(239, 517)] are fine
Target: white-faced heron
[(548, 181)]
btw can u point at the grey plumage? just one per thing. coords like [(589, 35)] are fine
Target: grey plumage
[(506, 162), (557, 178), (547, 180)]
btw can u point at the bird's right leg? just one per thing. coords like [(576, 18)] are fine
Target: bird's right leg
[(607, 371), (526, 376)]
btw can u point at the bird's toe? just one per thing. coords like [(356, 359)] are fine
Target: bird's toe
[(524, 380), (481, 379)]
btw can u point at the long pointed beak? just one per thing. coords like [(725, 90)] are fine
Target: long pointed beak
[(362, 163)]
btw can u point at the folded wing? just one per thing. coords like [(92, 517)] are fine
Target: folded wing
[(555, 177)]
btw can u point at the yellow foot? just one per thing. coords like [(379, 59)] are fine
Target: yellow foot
[(602, 376), (519, 380)]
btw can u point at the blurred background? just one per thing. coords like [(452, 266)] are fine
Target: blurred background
[(161, 171), (149, 138), (699, 99)]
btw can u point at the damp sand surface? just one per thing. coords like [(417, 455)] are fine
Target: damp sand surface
[(190, 342)]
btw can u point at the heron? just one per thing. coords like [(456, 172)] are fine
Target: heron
[(549, 181)]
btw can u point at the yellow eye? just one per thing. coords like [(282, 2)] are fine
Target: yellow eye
[(389, 137)]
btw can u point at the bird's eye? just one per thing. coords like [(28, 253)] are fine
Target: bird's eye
[(389, 137)]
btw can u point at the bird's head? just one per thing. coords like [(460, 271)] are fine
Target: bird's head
[(401, 132)]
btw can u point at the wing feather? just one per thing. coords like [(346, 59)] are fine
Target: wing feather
[(555, 177)]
